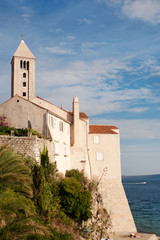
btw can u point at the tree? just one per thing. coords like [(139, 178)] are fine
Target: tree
[(17, 209), (14, 173), (75, 201)]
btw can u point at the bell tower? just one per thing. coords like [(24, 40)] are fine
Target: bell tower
[(23, 72)]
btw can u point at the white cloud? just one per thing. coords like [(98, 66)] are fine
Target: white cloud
[(85, 21), (98, 83), (27, 13), (71, 37), (89, 47), (56, 30), (111, 2), (59, 50), (145, 10)]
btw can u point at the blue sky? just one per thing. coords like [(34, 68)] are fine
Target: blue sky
[(106, 52)]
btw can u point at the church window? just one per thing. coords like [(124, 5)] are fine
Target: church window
[(24, 75), (21, 64), (27, 65), (24, 94), (24, 65), (24, 84), (96, 140), (99, 156)]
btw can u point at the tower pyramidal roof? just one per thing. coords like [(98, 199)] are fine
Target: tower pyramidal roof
[(23, 51)]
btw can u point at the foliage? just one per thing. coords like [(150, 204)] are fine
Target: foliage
[(35, 204), (54, 236), (79, 176), (75, 201), (45, 186), (5, 130), (14, 173), (75, 173), (3, 122), (17, 208)]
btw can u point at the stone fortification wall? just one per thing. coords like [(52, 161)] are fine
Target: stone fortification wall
[(29, 146), (115, 201)]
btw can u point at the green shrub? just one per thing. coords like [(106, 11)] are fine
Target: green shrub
[(75, 201), (5, 130), (75, 173)]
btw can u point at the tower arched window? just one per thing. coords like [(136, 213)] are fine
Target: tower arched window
[(21, 64), (27, 65), (24, 64), (24, 75)]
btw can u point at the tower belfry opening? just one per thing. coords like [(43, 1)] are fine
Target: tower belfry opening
[(23, 72)]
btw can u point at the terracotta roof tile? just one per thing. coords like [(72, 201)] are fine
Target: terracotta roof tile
[(102, 129), (81, 115)]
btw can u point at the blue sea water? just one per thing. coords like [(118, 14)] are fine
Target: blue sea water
[(143, 194)]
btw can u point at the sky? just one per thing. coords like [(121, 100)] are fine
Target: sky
[(106, 52)]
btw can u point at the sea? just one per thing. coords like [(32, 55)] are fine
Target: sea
[(143, 194)]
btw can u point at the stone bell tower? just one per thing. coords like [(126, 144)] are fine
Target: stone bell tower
[(23, 72)]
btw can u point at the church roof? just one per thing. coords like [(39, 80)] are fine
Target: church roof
[(23, 51), (102, 129)]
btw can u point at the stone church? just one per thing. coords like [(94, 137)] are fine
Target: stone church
[(72, 142)]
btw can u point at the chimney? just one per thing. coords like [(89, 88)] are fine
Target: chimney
[(75, 120)]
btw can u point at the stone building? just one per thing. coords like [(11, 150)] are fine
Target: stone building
[(72, 141)]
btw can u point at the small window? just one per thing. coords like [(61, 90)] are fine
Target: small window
[(24, 64), (24, 75), (24, 84), (24, 94), (99, 156), (96, 140), (27, 65), (65, 151), (61, 126), (21, 63)]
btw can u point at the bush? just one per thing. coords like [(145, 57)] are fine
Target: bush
[(75, 201), (5, 130), (75, 173)]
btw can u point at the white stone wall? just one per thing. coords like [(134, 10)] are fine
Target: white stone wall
[(60, 134), (104, 152), (107, 150)]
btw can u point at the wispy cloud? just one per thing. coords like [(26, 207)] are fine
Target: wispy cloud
[(99, 84), (27, 13), (85, 21), (145, 10), (59, 50), (90, 47)]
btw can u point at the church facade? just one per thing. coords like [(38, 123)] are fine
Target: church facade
[(76, 144)]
